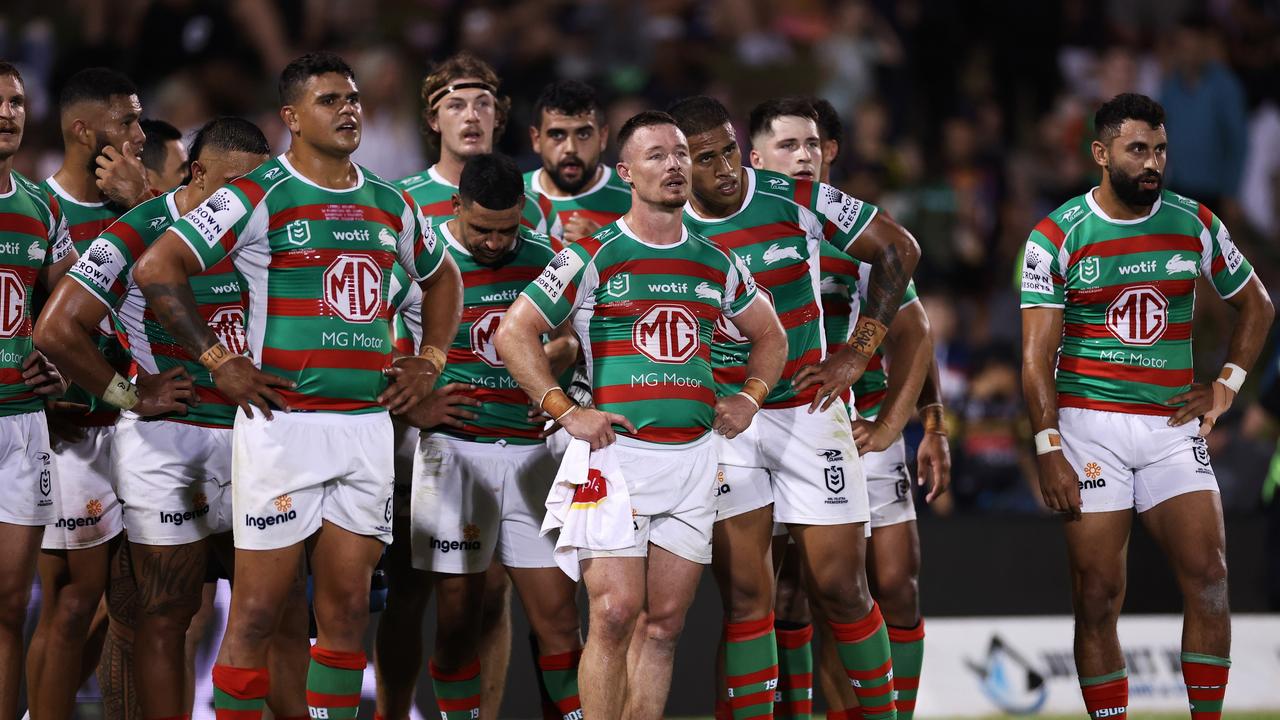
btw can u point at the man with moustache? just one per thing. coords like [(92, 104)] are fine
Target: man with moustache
[(35, 250), (1108, 293), (316, 238), (644, 294)]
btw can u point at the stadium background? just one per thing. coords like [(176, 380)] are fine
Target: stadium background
[(968, 121)]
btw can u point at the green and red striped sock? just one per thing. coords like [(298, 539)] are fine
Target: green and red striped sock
[(863, 647), (1106, 696), (794, 699), (458, 692), (560, 678), (906, 645), (239, 693), (751, 667), (1206, 679), (333, 683)]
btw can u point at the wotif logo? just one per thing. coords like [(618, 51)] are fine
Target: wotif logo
[(1147, 266), (351, 235)]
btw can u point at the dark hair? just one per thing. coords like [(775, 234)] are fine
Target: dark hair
[(297, 73), (698, 114), (159, 133), (10, 70), (763, 115), (642, 119), (1126, 106), (567, 97), (491, 179), (461, 65), (829, 125), (229, 134), (95, 84)]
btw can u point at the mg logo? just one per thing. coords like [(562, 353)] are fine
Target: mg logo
[(13, 303), (482, 332), (228, 324), (727, 331), (1139, 315), (666, 334), (353, 288)]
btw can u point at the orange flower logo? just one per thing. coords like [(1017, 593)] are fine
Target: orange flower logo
[(93, 507), (471, 533), (283, 503), (1092, 470)]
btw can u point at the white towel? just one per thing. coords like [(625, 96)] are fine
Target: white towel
[(590, 505)]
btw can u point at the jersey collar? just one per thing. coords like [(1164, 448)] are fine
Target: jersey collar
[(284, 162), (437, 178), (1097, 210), (64, 195), (626, 230)]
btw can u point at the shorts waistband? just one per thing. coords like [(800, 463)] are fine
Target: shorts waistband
[(632, 443), (318, 418), (477, 446)]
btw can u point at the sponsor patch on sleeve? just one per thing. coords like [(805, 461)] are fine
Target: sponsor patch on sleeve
[(1036, 273), (1231, 254), (100, 266), (213, 218), (555, 278), (841, 209)]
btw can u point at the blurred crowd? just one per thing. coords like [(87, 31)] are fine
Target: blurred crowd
[(967, 121)]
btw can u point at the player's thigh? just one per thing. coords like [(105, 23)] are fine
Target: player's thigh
[(549, 600), (1189, 528), (741, 562), (671, 581), (616, 593), (817, 475), (834, 562), (1097, 543), (893, 559), (169, 577), (18, 561), (456, 505)]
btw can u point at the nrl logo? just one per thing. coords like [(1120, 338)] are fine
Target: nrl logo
[(1090, 270), (298, 232), (618, 285)]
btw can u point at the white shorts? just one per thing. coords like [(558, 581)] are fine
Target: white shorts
[(558, 443), (672, 497), (292, 473), (471, 499), (889, 485), (1129, 461), (89, 513), (28, 474), (406, 445), (806, 465), (174, 480)]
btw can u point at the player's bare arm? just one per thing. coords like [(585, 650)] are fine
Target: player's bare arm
[(760, 325), (412, 378), (519, 344), (67, 331), (933, 457), (1209, 401), (562, 349), (1041, 337), (911, 350), (162, 273), (893, 254), (38, 371)]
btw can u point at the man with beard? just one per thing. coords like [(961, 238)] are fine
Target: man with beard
[(576, 192), (483, 472), (644, 294), (319, 340), (798, 463), (35, 250), (101, 177), (464, 115), (796, 137), (1108, 291)]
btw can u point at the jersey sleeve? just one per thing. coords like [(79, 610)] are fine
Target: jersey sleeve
[(406, 304), (1221, 261), (60, 244), (221, 224), (843, 217), (1043, 278), (104, 268), (562, 285), (739, 287), (418, 248)]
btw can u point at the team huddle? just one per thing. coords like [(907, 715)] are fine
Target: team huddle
[(289, 372)]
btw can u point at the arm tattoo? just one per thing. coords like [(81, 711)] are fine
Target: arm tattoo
[(175, 307), (887, 284)]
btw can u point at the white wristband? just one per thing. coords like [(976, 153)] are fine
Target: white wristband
[(1232, 376), (748, 396), (1048, 440), (121, 393)]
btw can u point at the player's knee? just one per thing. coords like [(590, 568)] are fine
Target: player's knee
[(843, 597), (1205, 582), (170, 618), (75, 608), (898, 593), (1098, 597), (663, 627), (343, 613), (13, 608), (255, 619), (614, 616), (497, 604)]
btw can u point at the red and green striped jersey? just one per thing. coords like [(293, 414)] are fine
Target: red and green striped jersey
[(106, 271), (844, 291), (645, 314), (1127, 289), (33, 235), (85, 221), (778, 233), (406, 304), (608, 199), (434, 195), (318, 263), (487, 293)]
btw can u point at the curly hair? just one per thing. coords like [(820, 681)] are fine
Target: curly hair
[(461, 65)]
